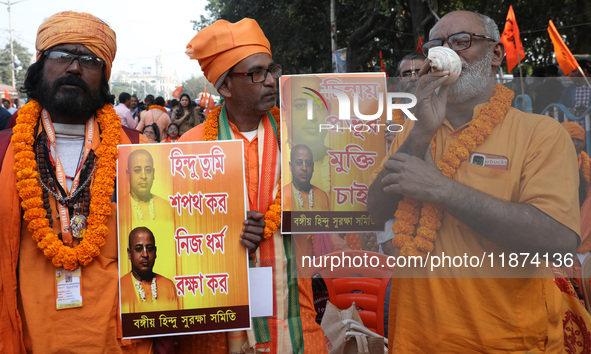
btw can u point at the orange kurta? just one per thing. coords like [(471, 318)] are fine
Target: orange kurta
[(158, 116), (490, 314), (320, 199), (28, 316), (131, 301), (312, 333)]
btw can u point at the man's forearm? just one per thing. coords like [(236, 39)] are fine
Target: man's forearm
[(514, 226)]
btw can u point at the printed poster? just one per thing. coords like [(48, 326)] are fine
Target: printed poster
[(333, 139), (191, 276)]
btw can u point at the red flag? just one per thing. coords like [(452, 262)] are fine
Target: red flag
[(382, 64), (419, 49), (7, 96), (177, 92), (512, 41), (564, 57)]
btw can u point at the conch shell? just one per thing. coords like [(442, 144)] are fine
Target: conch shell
[(445, 59)]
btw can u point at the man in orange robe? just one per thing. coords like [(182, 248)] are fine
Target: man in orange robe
[(70, 81), (156, 114), (142, 290), (236, 58), (515, 191)]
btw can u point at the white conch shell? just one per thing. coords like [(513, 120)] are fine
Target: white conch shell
[(443, 58)]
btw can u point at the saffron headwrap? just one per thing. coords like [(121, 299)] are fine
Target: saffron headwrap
[(575, 130), (78, 28), (223, 44)]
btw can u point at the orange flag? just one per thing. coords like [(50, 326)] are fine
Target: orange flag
[(177, 92), (564, 57), (7, 96), (382, 64), (512, 41)]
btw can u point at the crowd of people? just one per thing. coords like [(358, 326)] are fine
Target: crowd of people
[(156, 118), (504, 181)]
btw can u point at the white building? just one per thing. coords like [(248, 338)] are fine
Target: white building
[(158, 81)]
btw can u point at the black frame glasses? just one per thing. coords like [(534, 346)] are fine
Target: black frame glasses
[(456, 41), (66, 59), (260, 75)]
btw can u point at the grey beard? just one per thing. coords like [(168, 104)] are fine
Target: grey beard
[(472, 82)]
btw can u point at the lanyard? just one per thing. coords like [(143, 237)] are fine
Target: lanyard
[(60, 173)]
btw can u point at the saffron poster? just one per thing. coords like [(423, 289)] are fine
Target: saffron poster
[(333, 139), (181, 265)]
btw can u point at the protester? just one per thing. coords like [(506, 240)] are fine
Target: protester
[(507, 184), (134, 108), (124, 112), (68, 87), (158, 115), (185, 116), (236, 59), (173, 133), (577, 134), (152, 133), (577, 97)]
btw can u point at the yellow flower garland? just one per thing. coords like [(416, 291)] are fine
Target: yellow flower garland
[(31, 192), (273, 215), (420, 241), (156, 106)]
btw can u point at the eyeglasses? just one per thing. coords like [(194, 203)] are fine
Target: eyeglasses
[(260, 75), (410, 73), (305, 163), (457, 42), (66, 59)]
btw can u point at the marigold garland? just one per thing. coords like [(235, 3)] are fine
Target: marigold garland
[(31, 193), (273, 214), (414, 241), (156, 106)]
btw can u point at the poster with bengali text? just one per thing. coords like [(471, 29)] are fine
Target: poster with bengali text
[(182, 268), (333, 129)]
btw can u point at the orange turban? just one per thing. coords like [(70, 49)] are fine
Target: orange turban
[(575, 130), (78, 28), (224, 44)]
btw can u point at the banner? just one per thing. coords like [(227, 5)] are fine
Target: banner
[(512, 41), (564, 57), (177, 92), (333, 139), (181, 265)]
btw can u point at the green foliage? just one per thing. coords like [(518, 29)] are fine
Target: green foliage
[(196, 85), (25, 60), (299, 31)]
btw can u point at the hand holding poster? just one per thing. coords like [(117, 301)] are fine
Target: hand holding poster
[(181, 208)]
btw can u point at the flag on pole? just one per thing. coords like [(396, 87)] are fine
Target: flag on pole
[(419, 49), (177, 92), (7, 96), (512, 41), (564, 57), (204, 98), (382, 64)]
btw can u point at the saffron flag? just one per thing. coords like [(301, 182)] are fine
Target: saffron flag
[(419, 49), (7, 96), (203, 98), (564, 57), (382, 64), (177, 92), (512, 41)]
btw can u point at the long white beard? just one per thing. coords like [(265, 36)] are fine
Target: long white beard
[(473, 80)]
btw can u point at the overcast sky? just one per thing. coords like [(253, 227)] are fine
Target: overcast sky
[(143, 28)]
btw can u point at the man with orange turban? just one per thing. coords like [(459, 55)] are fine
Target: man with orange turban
[(236, 58), (59, 274)]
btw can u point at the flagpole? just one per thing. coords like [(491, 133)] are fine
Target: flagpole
[(584, 77), (521, 80)]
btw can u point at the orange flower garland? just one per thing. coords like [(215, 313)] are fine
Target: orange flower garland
[(273, 215), (156, 106), (420, 241), (31, 192)]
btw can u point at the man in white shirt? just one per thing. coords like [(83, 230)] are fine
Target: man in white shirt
[(122, 109)]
